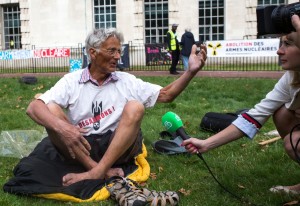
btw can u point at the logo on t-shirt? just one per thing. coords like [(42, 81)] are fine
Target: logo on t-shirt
[(97, 109), (99, 114)]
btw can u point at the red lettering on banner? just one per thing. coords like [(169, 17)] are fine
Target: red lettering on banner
[(36, 53), (52, 52), (236, 44), (152, 50), (42, 53)]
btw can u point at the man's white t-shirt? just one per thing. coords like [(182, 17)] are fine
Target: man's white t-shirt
[(99, 108)]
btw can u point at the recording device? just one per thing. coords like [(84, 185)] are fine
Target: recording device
[(198, 50), (173, 124), (274, 20)]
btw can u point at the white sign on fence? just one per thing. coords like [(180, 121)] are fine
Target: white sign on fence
[(243, 48)]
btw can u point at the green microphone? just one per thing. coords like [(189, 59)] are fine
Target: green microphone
[(173, 124)]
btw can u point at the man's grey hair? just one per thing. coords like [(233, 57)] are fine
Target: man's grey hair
[(96, 37), (188, 29)]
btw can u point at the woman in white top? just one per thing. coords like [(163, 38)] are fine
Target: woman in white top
[(282, 103)]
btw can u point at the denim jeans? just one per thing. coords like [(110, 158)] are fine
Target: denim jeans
[(185, 61)]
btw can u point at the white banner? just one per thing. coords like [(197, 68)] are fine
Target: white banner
[(243, 48)]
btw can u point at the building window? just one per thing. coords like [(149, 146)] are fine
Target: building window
[(211, 20), (270, 2), (156, 21), (105, 13), (12, 27)]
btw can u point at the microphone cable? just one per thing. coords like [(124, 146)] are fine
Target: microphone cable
[(245, 201), (297, 157), (294, 147)]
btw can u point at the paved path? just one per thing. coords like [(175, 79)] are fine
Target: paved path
[(225, 74)]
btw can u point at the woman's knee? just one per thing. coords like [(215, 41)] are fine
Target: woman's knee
[(291, 144), (284, 120), (287, 144)]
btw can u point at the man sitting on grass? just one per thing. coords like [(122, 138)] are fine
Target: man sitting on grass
[(93, 116)]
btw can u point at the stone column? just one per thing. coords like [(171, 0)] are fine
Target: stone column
[(25, 28), (251, 22)]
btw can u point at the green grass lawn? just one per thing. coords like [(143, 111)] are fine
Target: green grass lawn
[(243, 167)]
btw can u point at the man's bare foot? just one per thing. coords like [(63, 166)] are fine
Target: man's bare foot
[(294, 189), (114, 172), (72, 178)]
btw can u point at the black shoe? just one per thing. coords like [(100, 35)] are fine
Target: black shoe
[(174, 73)]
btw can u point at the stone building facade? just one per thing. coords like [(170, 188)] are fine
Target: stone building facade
[(61, 23)]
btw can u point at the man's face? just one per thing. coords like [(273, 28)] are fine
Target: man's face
[(106, 59), (174, 28)]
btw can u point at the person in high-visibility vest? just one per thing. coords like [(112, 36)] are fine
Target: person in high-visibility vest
[(12, 44), (173, 48)]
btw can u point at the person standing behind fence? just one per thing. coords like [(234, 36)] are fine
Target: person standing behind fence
[(187, 41), (11, 44), (173, 48)]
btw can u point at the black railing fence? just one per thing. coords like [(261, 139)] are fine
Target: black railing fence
[(136, 57)]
